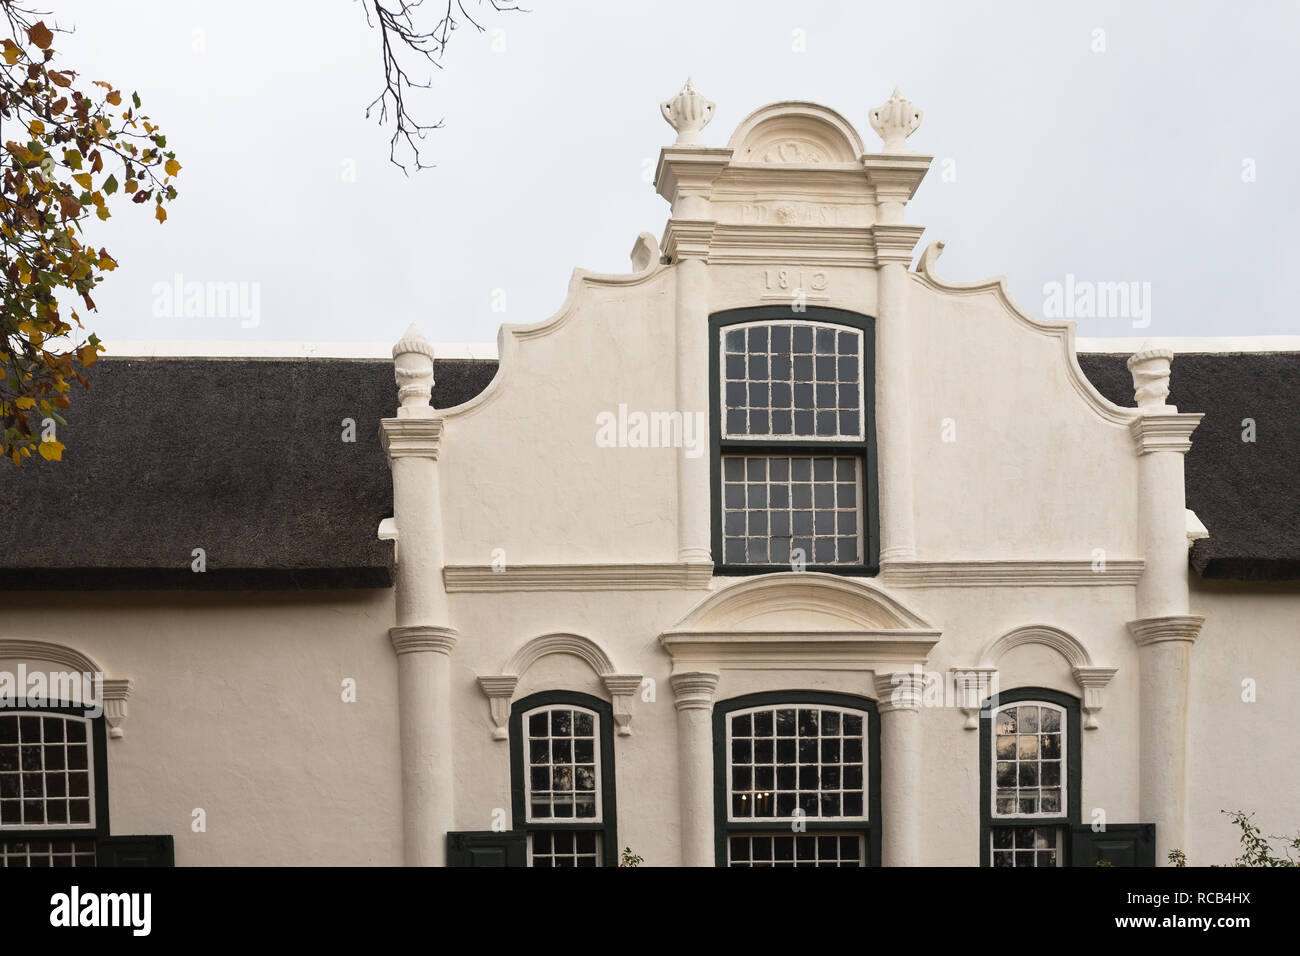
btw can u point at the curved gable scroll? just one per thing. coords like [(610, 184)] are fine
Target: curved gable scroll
[(1062, 330), (500, 688), (800, 620), (63, 666)]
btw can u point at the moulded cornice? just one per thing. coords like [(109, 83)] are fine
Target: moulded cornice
[(1122, 572), (740, 244), (1061, 330), (684, 170), (1164, 431), (579, 577), (1157, 630), (790, 650), (896, 176), (895, 243), (411, 437)]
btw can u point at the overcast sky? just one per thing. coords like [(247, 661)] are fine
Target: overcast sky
[(1127, 164)]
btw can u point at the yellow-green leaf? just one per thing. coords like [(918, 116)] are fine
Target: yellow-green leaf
[(52, 450), (160, 213), (172, 167)]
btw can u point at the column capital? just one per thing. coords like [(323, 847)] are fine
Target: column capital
[(499, 690), (1157, 630), (411, 437), (422, 638), (688, 238), (1092, 678), (895, 243), (693, 690), (1164, 431), (899, 690)]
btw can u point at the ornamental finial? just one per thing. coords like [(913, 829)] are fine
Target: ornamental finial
[(1150, 367), (413, 371), (894, 121), (688, 112)]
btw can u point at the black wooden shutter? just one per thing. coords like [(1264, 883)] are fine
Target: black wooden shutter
[(135, 851), (487, 848), (1120, 844)]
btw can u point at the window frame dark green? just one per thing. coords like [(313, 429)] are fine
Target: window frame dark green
[(608, 825), (98, 737), (1073, 768), (864, 451), (723, 828)]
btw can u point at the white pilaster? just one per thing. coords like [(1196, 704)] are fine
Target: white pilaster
[(423, 637), (1164, 630), (693, 697), (898, 701)]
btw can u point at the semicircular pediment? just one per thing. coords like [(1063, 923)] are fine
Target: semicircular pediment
[(801, 601), (795, 134)]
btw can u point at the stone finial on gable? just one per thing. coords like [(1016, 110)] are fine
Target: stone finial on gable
[(894, 121), (688, 112), (413, 372), (1149, 367)]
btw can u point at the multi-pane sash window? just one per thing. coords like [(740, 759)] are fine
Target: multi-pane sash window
[(562, 756), (796, 776), (794, 483), (50, 796), (1029, 778)]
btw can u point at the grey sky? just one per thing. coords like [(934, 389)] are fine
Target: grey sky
[(1124, 165)]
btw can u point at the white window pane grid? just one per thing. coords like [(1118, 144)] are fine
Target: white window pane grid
[(46, 778), (776, 505), (564, 848), (798, 757), (1029, 761), (798, 849), (563, 753), (1027, 846), (42, 853), (792, 380)]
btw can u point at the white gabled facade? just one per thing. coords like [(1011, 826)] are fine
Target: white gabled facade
[(656, 586)]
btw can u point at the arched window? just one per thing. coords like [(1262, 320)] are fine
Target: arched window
[(562, 778), (797, 780), (1030, 764), (794, 465), (53, 786)]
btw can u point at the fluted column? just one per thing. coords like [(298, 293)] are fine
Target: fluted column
[(693, 698), (898, 701), (1164, 630), (423, 636)]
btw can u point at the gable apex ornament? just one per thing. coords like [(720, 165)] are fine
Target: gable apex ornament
[(894, 121), (1150, 368), (413, 372), (688, 112)]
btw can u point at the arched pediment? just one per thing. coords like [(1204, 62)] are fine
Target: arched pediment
[(500, 688), (574, 644), (110, 692), (795, 134), (1069, 647), (800, 620), (804, 601)]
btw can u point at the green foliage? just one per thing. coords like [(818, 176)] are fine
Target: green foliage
[(629, 858), (68, 154), (1256, 849)]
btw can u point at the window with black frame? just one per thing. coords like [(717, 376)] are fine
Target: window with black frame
[(53, 787), (562, 776), (1030, 765), (794, 463), (798, 781)]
